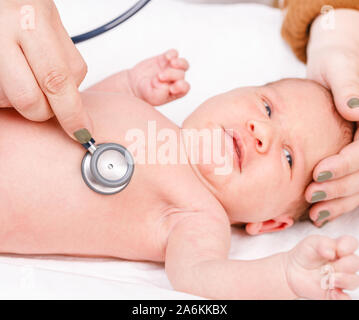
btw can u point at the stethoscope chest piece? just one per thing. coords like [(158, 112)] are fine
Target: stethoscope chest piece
[(107, 168)]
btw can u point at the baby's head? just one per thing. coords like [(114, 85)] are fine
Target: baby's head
[(282, 130)]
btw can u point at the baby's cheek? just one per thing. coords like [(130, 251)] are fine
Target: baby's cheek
[(260, 201)]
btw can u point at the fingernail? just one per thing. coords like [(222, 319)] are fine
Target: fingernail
[(322, 215), (323, 176), (82, 135), (353, 103), (318, 196), (324, 223)]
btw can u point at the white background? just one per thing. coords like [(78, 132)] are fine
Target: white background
[(227, 46)]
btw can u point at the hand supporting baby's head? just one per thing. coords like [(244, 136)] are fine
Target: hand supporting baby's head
[(280, 132)]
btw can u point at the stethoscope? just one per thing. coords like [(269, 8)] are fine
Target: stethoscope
[(107, 168)]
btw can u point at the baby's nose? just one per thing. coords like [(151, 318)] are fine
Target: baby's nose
[(262, 134)]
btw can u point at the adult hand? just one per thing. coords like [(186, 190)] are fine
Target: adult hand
[(333, 61), (40, 68)]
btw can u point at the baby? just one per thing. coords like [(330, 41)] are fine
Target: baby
[(180, 212)]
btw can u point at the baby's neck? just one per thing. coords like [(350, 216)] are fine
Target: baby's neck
[(189, 145)]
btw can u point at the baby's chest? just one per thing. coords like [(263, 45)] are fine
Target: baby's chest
[(153, 202)]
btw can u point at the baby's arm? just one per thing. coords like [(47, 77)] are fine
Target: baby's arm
[(157, 80), (197, 263)]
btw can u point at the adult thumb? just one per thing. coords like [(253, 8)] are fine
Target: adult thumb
[(345, 89)]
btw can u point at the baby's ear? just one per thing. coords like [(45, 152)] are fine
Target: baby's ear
[(279, 223)]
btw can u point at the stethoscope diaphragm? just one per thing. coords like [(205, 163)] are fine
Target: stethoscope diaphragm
[(107, 168)]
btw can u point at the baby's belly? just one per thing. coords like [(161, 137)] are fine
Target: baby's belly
[(45, 207)]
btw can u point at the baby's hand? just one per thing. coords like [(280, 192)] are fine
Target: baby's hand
[(160, 79), (320, 267)]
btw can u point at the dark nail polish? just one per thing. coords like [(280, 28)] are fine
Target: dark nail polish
[(324, 223), (323, 176), (318, 196), (353, 103), (323, 214), (82, 135)]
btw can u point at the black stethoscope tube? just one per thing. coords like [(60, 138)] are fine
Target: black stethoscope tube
[(112, 24)]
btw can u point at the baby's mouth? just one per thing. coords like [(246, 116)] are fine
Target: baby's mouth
[(237, 151)]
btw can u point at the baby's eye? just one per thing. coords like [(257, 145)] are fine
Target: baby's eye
[(268, 109), (289, 157)]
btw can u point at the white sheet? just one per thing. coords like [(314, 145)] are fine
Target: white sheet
[(227, 46)]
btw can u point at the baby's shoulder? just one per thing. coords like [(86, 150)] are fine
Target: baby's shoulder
[(184, 189), (188, 196)]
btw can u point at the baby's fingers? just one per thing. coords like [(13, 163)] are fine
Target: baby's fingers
[(346, 245), (165, 58), (346, 281), (314, 251), (171, 54), (347, 264), (326, 247), (338, 294), (180, 87), (171, 75), (180, 63)]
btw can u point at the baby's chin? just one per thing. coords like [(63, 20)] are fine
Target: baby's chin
[(237, 220)]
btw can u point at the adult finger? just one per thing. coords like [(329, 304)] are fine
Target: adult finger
[(4, 101), (19, 84), (75, 61), (325, 211), (339, 165), (337, 188), (345, 84), (55, 78)]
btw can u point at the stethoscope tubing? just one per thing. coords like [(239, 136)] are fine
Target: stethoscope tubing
[(111, 24)]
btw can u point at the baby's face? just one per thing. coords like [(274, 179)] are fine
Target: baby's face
[(282, 130)]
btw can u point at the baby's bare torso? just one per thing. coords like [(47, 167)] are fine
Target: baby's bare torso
[(46, 208)]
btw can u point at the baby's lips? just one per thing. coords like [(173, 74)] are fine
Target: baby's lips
[(229, 146), (235, 146), (242, 150)]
